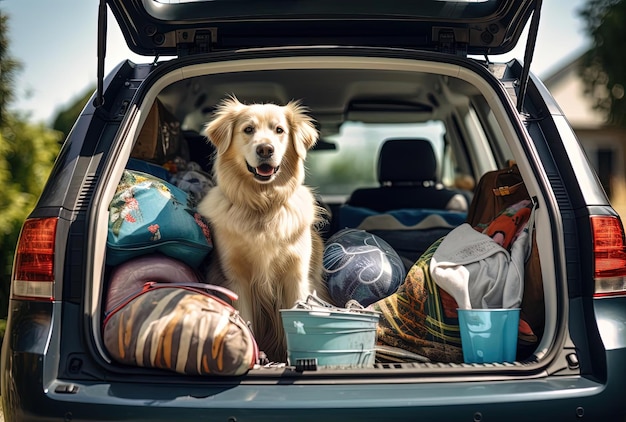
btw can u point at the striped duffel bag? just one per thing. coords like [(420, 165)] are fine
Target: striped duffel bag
[(180, 327)]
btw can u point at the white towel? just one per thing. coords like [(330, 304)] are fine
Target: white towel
[(479, 273)]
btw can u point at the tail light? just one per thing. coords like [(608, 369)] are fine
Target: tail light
[(33, 270), (610, 256)]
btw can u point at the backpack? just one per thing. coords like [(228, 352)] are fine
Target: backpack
[(182, 328), (495, 191)]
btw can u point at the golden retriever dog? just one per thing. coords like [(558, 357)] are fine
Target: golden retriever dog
[(263, 218)]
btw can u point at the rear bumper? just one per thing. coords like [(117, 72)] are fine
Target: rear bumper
[(32, 390), (547, 399)]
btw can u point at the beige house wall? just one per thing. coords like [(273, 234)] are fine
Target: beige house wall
[(567, 89)]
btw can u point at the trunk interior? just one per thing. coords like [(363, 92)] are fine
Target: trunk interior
[(357, 101)]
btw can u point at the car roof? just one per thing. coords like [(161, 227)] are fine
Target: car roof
[(182, 27)]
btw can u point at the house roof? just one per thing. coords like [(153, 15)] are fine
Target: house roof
[(567, 88)]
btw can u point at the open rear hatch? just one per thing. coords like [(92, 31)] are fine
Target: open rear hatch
[(462, 27), (153, 27)]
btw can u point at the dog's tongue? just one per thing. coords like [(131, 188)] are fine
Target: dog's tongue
[(265, 170)]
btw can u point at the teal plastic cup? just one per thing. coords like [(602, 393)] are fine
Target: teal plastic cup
[(488, 335)]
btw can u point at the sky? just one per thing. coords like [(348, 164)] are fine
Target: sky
[(56, 42)]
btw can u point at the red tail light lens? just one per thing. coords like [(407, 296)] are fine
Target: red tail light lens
[(33, 271), (610, 256)]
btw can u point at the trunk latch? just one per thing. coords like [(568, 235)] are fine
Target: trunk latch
[(195, 41), (449, 44)]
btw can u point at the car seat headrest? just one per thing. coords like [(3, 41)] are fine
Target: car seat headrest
[(406, 161)]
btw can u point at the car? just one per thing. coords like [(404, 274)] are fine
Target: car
[(369, 73)]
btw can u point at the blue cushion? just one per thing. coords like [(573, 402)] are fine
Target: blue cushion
[(350, 216), (409, 231), (147, 215)]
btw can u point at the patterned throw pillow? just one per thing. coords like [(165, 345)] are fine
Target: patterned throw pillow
[(147, 215)]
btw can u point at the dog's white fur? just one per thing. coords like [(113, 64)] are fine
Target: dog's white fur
[(262, 216)]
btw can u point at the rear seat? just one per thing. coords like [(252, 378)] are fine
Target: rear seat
[(410, 209), (407, 173)]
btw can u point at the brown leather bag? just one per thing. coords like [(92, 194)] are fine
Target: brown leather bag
[(495, 191)]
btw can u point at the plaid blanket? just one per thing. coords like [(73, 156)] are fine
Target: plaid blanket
[(420, 317)]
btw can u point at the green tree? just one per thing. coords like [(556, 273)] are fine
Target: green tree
[(66, 118), (27, 153), (604, 66), (8, 67)]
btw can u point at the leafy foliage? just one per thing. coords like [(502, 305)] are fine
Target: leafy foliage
[(27, 153), (8, 67), (67, 117), (604, 66)]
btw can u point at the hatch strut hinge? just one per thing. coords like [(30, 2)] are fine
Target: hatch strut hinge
[(528, 55), (448, 43), (102, 49), (195, 41)]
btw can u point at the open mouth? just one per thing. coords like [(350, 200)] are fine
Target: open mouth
[(263, 172)]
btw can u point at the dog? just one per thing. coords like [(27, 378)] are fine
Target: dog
[(263, 218)]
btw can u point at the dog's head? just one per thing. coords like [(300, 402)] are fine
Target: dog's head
[(262, 140)]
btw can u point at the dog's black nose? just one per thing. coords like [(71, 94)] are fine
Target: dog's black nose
[(265, 150)]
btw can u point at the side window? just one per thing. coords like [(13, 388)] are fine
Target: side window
[(481, 152), (499, 151)]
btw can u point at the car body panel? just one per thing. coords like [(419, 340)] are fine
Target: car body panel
[(557, 398), (487, 27), (54, 363), (611, 319)]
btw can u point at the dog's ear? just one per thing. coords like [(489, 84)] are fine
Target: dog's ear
[(304, 133), (220, 130)]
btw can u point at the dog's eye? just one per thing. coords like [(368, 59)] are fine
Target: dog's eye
[(249, 130), (279, 129)]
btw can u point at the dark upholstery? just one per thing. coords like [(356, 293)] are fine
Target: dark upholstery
[(407, 161), (407, 173)]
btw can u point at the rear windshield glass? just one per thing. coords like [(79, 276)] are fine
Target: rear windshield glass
[(215, 9), (352, 163)]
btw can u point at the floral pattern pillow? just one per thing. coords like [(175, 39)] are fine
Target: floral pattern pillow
[(147, 215)]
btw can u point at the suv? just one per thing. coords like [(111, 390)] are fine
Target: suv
[(368, 72)]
